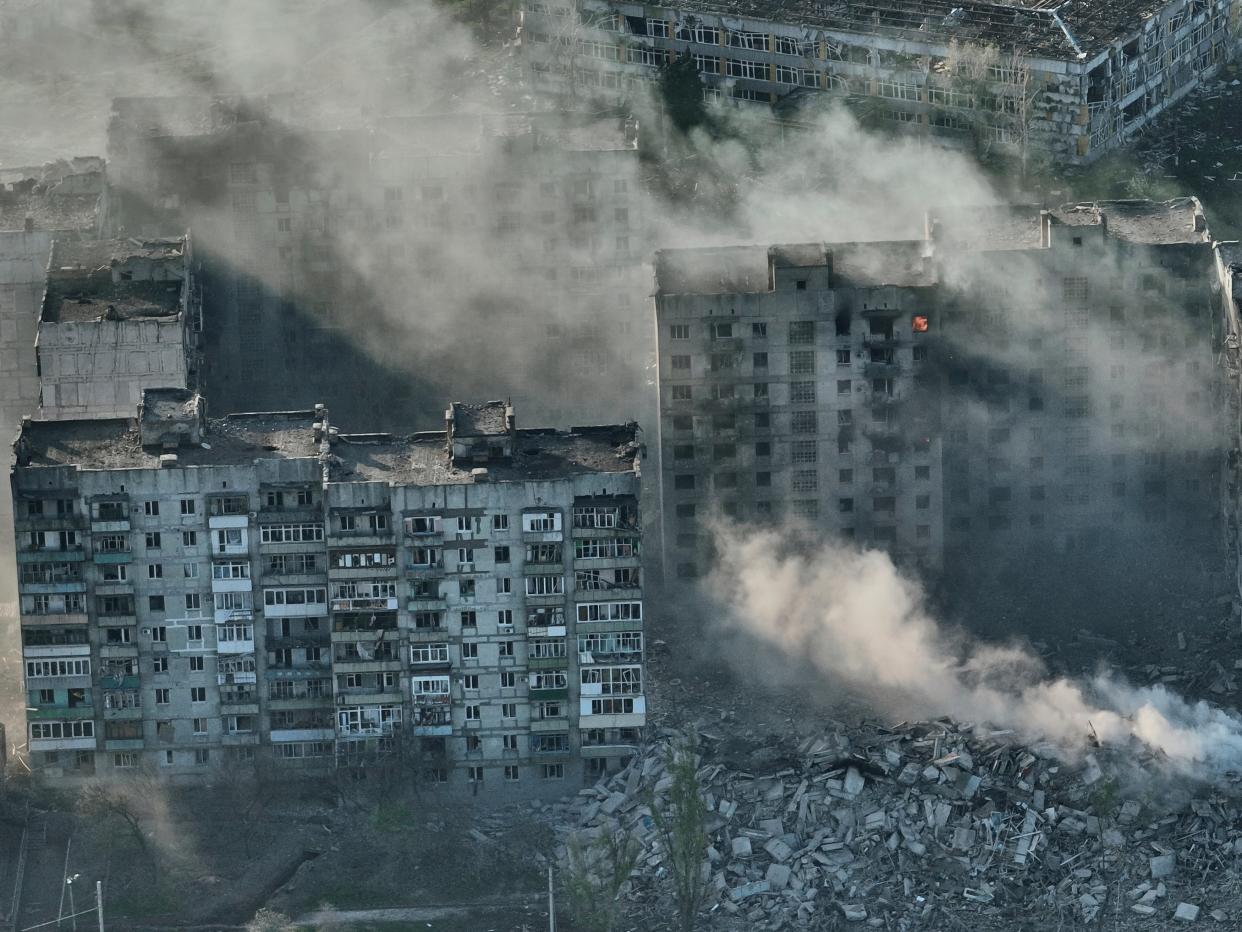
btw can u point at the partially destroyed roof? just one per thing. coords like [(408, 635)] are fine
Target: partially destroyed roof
[(747, 269), (82, 300), (60, 196), (1061, 31), (713, 270), (421, 459), (896, 262), (1145, 222), (479, 420), (94, 254), (113, 443), (1152, 223)]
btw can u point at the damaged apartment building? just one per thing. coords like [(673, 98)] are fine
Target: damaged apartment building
[(1019, 383), (1068, 79), (118, 316), (320, 238), (199, 593)]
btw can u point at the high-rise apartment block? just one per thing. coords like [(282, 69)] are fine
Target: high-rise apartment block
[(260, 587), (1069, 79), (1018, 382), (791, 385)]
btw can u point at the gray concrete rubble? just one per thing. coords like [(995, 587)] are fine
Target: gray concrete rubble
[(929, 825)]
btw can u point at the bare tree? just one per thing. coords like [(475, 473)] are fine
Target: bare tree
[(680, 818), (594, 875), (995, 92), (120, 807)]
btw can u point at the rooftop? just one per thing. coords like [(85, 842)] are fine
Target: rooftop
[(479, 420), (421, 459), (94, 254), (58, 196), (81, 300), (746, 269), (1142, 222), (81, 286), (1048, 28), (115, 444), (240, 439)]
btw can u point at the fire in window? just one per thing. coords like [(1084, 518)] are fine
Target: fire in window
[(919, 324)]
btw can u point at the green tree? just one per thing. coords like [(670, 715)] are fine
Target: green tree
[(681, 89), (681, 820)]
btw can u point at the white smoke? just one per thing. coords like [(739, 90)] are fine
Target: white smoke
[(861, 623)]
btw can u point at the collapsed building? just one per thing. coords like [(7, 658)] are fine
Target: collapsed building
[(398, 248), (1018, 385), (198, 593), (1072, 80)]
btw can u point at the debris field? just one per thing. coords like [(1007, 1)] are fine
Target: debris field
[(932, 825)]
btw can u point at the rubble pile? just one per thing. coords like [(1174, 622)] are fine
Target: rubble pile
[(931, 825)]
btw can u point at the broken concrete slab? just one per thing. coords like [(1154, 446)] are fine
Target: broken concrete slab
[(1186, 912)]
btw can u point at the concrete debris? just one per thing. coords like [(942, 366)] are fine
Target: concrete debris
[(1186, 912), (926, 823)]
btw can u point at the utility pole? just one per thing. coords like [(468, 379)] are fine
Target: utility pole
[(73, 909), (99, 903), (551, 903)]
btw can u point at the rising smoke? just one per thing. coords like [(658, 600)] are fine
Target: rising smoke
[(866, 627)]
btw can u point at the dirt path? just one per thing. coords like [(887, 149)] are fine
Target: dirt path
[(428, 914)]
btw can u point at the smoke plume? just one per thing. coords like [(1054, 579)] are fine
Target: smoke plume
[(854, 616)]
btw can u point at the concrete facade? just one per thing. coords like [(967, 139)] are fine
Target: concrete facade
[(63, 199), (1020, 384), (791, 382), (261, 588), (1071, 81)]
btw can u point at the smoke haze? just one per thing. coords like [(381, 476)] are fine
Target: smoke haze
[(864, 625)]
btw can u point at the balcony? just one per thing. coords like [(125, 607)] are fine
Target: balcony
[(608, 750), (62, 618), (547, 663), (432, 715), (363, 572), (72, 555), (362, 537), (302, 734), (60, 712), (110, 557), (107, 681), (62, 744), (234, 638), (132, 713), (386, 604), (879, 340), (228, 521), (119, 526), (53, 588), (35, 651)]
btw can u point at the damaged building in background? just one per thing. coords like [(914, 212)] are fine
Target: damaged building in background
[(1018, 388), (202, 593), (1071, 80), (432, 255), (119, 316)]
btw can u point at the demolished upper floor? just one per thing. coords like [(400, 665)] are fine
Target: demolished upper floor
[(973, 231)]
